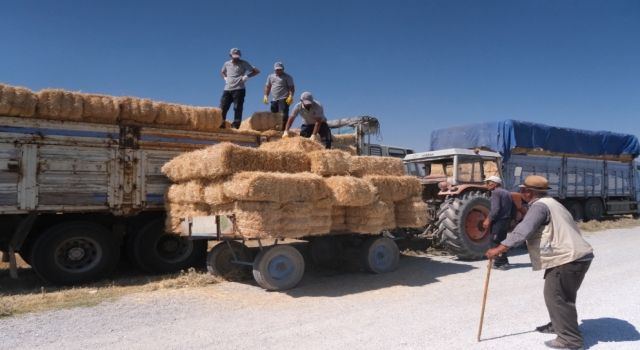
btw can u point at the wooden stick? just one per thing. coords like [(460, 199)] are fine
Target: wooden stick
[(484, 297)]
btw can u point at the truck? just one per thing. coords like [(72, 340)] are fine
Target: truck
[(593, 173), (75, 197)]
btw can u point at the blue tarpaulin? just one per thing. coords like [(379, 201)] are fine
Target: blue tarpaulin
[(504, 136)]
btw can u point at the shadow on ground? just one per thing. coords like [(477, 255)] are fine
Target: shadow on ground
[(607, 330)]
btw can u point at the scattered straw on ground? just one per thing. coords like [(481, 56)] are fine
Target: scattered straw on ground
[(610, 223)]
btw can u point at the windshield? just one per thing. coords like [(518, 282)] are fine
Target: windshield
[(474, 170)]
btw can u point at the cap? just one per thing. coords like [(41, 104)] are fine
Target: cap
[(306, 98), (278, 65), (536, 183), (495, 179), (235, 52)]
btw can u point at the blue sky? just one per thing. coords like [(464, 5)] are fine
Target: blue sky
[(416, 65)]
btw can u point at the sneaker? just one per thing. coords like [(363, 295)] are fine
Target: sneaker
[(557, 344), (547, 329), (502, 267)]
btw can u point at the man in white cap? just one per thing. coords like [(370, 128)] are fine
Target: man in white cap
[(314, 123), (499, 219), (280, 85), (235, 73), (555, 244)]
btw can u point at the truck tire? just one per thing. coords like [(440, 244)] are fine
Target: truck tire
[(219, 260), (75, 252), (278, 267), (380, 255), (576, 209), (593, 209), (155, 251), (459, 225)]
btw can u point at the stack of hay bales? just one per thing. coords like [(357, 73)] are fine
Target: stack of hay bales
[(263, 121), (345, 142), (57, 104), (293, 188)]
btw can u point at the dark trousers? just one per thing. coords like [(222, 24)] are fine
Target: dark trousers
[(561, 286), (237, 98), (325, 133), (282, 107), (499, 230)]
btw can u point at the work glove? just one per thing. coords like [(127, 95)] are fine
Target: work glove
[(285, 134), (245, 78), (265, 99), (315, 137), (289, 100)]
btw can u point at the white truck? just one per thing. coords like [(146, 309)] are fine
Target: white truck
[(76, 196)]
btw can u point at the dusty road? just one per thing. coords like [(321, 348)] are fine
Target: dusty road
[(429, 303)]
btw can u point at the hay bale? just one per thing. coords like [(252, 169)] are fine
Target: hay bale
[(60, 105), (395, 188), (276, 187), (352, 150), (257, 219), (371, 165), (339, 219), (137, 110), (295, 143), (213, 193), (302, 219), (169, 114), (227, 158), (272, 135), (176, 212), (370, 219), (411, 212), (351, 191), (100, 109), (17, 101), (263, 121), (329, 162), (187, 192), (205, 119), (343, 140)]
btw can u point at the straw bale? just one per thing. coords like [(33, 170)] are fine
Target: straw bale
[(389, 221), (371, 165), (205, 118), (351, 191), (227, 158), (177, 212), (295, 143), (343, 140), (171, 114), (273, 135), (339, 219), (329, 162), (352, 150), (262, 121), (411, 212), (276, 187), (60, 105), (371, 218), (395, 188), (17, 101), (213, 193), (257, 219), (100, 108), (138, 110), (187, 192)]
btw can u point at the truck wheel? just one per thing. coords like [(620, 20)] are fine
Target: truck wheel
[(576, 209), (220, 260), (326, 252), (74, 252), (460, 225), (380, 255), (593, 209), (156, 251), (278, 268)]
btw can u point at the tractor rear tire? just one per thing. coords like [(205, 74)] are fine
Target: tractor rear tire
[(460, 225)]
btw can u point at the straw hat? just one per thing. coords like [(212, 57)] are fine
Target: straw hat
[(536, 183)]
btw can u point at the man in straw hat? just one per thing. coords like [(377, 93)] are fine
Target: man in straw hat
[(556, 245), (499, 218), (235, 73), (280, 86)]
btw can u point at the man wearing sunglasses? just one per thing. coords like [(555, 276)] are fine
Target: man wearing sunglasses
[(556, 245)]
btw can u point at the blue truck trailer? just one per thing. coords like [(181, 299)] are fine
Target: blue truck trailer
[(593, 173)]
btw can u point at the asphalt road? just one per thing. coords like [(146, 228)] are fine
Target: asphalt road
[(428, 303)]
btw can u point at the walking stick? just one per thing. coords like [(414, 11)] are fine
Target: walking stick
[(484, 297)]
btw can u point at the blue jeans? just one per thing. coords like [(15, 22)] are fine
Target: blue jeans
[(237, 97)]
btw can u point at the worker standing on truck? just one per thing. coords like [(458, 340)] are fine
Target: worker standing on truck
[(235, 73), (556, 245), (315, 123), (280, 85), (499, 219)]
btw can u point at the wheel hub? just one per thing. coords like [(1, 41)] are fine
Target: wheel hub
[(173, 248), (473, 224), (77, 255), (280, 267)]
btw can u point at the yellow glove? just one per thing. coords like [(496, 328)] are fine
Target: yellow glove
[(289, 100), (285, 134), (265, 99)]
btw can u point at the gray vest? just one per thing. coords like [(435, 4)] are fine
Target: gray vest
[(558, 242)]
